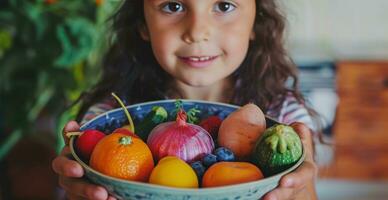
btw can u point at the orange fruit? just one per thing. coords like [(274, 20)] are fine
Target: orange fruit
[(123, 156), (229, 173)]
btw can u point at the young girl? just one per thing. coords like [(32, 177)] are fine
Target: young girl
[(218, 50)]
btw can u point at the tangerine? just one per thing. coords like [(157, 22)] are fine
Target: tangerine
[(229, 173), (123, 156)]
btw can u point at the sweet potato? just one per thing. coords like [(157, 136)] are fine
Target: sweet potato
[(241, 129)]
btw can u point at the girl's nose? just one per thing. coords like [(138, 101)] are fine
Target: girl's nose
[(197, 30)]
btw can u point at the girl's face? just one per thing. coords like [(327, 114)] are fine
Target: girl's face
[(199, 42)]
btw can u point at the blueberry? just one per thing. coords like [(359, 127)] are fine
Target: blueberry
[(209, 159), (224, 154), (198, 168)]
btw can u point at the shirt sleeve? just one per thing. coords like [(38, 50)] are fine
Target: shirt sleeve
[(292, 111), (97, 109)]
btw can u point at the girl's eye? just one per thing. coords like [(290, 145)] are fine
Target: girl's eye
[(224, 7), (172, 7)]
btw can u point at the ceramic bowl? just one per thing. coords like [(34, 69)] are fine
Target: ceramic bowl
[(123, 189)]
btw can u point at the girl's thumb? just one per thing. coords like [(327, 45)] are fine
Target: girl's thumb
[(71, 126)]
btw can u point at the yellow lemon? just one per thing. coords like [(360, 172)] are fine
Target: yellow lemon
[(174, 172)]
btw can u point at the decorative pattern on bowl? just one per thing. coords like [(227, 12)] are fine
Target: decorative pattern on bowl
[(123, 189)]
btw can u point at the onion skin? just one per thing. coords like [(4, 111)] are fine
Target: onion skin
[(187, 141)]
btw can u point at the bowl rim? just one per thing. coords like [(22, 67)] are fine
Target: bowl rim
[(169, 101), (175, 189), (159, 101)]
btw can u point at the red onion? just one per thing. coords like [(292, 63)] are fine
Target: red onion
[(184, 140)]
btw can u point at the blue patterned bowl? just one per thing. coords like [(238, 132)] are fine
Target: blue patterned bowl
[(123, 189)]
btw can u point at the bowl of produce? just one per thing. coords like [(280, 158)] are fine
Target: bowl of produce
[(186, 149)]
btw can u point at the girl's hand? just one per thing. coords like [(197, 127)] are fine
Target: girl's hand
[(300, 183), (70, 173)]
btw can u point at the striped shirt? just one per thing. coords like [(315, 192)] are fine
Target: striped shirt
[(290, 111)]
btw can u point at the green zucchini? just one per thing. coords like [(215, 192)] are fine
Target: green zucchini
[(278, 149), (156, 116)]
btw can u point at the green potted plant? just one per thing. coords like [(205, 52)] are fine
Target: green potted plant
[(49, 53)]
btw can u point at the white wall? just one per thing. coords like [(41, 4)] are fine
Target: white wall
[(337, 29)]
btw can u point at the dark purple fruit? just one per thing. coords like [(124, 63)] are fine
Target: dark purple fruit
[(209, 159), (198, 168), (224, 154)]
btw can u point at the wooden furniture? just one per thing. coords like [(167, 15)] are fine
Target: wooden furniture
[(361, 125)]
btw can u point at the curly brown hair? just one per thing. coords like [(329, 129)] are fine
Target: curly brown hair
[(131, 70)]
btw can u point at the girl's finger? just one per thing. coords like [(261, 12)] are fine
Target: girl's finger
[(305, 136), (79, 187), (303, 131), (111, 198), (62, 165), (74, 197), (71, 126), (300, 177)]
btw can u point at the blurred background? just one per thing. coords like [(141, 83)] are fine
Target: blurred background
[(50, 51)]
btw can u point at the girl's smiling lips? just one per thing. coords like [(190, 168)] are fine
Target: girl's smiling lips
[(198, 61)]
